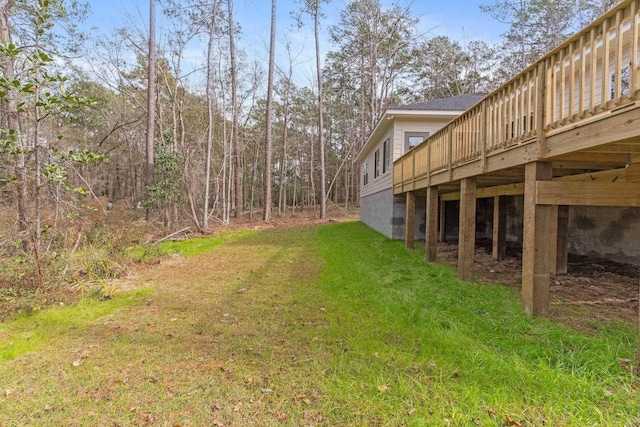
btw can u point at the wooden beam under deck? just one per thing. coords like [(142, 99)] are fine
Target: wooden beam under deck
[(617, 176), (587, 193), (613, 127), (488, 192), (632, 173), (617, 148), (586, 161)]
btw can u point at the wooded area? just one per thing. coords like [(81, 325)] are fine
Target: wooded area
[(82, 131)]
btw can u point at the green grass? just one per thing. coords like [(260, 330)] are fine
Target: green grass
[(187, 248), (32, 332), (331, 325), (195, 247), (457, 352)]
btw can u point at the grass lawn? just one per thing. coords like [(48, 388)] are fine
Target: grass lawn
[(320, 325)]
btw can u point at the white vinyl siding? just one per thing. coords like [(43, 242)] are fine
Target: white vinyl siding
[(381, 182), (396, 137)]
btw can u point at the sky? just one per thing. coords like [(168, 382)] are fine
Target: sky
[(461, 20)]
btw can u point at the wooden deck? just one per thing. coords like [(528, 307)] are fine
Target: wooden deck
[(566, 131)]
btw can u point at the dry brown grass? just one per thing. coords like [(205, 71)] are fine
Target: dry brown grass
[(207, 348)]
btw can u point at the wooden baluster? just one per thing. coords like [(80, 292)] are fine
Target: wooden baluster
[(512, 111), (583, 78), (429, 148), (572, 81), (467, 136), (518, 108), (552, 95), (594, 71), (483, 136), (464, 128), (618, 97), (493, 118), (500, 121), (541, 105), (606, 83), (563, 87), (460, 136), (449, 153), (530, 106), (634, 90)]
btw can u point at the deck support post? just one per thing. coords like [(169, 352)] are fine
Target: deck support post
[(538, 232), (553, 244), (443, 226), (431, 224), (499, 250), (563, 240), (467, 232), (638, 353), (410, 221)]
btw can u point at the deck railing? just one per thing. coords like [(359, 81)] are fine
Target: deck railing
[(593, 72)]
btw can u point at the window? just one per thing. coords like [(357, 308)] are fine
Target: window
[(376, 164), (411, 139), (365, 173), (386, 155)]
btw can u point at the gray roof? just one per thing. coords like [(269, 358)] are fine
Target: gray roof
[(455, 103)]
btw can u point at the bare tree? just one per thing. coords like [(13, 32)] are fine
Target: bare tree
[(444, 68), (321, 144), (237, 145), (12, 123), (151, 99), (375, 43), (266, 216), (210, 118), (591, 9), (286, 87), (312, 8), (536, 26)]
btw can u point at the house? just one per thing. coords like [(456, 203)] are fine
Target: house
[(551, 159), (398, 131)]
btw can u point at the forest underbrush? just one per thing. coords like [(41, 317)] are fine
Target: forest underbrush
[(80, 255)]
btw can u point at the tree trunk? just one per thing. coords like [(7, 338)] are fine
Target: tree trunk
[(237, 146), (151, 96), (210, 125), (38, 175), (282, 196), (254, 178), (13, 123), (323, 185), (266, 216)]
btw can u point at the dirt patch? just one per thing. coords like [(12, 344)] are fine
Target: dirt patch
[(592, 290)]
